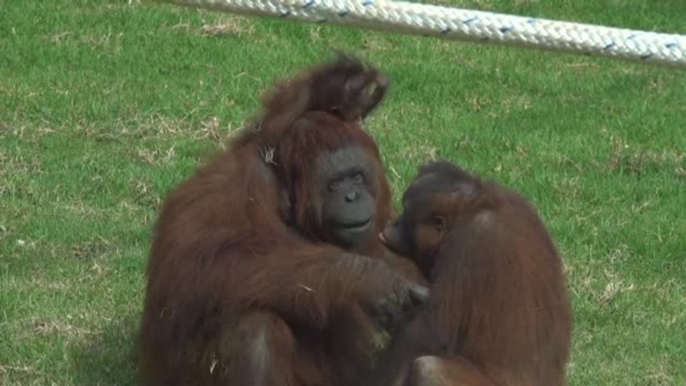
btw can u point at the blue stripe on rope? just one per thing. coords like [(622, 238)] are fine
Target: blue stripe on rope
[(671, 45), (609, 46), (344, 13), (470, 20), (367, 2), (446, 31), (308, 4), (646, 56), (286, 14), (505, 29)]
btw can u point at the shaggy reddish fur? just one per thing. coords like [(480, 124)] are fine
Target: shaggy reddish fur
[(243, 286), (499, 313)]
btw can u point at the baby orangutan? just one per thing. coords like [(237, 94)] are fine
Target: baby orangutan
[(498, 312)]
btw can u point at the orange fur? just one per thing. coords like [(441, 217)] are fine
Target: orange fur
[(239, 291), (498, 295)]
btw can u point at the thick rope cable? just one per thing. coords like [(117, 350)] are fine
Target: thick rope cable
[(468, 25)]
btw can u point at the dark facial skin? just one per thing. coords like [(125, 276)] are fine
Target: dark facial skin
[(430, 206), (348, 196), (416, 233), (397, 236)]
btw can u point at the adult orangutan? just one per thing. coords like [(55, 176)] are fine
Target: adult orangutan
[(498, 313), (265, 266)]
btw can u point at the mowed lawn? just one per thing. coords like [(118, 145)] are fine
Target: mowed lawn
[(106, 105)]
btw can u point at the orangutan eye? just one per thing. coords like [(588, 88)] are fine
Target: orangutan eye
[(334, 185), (358, 177), (439, 223)]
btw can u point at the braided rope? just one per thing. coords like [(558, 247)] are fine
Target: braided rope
[(460, 24)]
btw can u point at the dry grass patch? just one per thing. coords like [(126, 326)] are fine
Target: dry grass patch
[(220, 26)]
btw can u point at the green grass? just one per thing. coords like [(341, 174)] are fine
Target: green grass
[(106, 105)]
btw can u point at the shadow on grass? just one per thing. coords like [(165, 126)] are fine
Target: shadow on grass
[(107, 359)]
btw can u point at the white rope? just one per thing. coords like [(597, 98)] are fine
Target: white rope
[(460, 24)]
